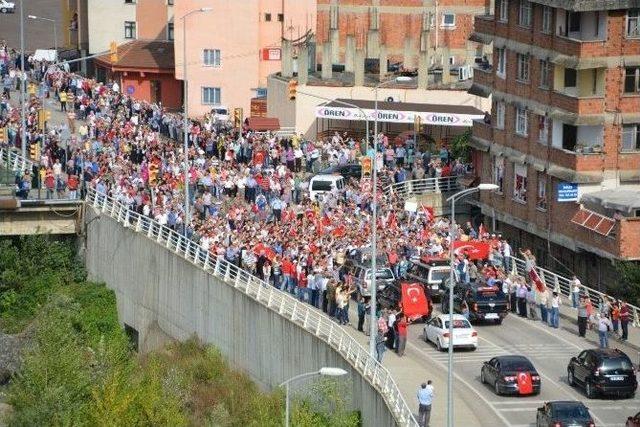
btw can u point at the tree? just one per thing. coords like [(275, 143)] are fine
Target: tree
[(630, 286), (460, 148)]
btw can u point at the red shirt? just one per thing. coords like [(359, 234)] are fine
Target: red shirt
[(402, 327)]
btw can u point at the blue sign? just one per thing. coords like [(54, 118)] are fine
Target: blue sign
[(567, 192), (130, 90)]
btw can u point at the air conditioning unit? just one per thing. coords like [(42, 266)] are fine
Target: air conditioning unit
[(393, 99), (465, 72)]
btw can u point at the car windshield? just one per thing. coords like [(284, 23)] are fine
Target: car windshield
[(321, 186), (567, 411), (458, 324), (439, 275), (616, 365), (221, 111), (516, 365), (385, 274)]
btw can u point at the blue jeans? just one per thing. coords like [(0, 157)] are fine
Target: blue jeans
[(574, 299), (604, 339), (543, 313), (554, 317)]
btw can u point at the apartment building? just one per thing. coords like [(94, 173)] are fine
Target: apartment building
[(563, 142)]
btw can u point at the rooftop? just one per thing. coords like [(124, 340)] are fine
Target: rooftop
[(622, 200), (142, 54)]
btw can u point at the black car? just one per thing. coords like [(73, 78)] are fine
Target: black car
[(564, 413), (511, 375), (603, 371), (351, 170), (484, 302)]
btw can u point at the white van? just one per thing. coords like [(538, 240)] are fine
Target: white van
[(321, 184)]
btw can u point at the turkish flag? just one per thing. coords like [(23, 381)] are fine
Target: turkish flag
[(339, 231), (525, 384), (428, 213), (414, 301), (535, 278), (473, 249)]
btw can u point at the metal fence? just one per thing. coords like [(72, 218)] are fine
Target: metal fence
[(420, 186), (311, 319), (13, 160)]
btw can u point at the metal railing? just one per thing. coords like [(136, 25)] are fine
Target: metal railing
[(420, 186), (15, 161), (302, 314)]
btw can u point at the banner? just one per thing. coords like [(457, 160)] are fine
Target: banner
[(414, 301), (396, 116), (535, 278), (473, 249)]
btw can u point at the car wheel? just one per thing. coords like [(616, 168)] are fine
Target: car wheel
[(570, 379), (496, 388), (3, 10), (589, 390), (424, 336), (438, 345), (482, 378)]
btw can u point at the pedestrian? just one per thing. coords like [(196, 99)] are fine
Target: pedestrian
[(555, 310), (583, 316), (615, 315), (522, 300), (625, 315), (380, 345), (575, 291), (531, 303), (543, 300), (362, 312), (425, 400), (63, 100), (604, 325), (401, 324)]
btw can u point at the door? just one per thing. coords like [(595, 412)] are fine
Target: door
[(432, 329), (580, 367), (156, 91)]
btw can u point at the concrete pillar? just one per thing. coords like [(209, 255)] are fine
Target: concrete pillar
[(335, 46), (303, 65), (373, 43), (326, 61), (423, 69), (383, 63), (446, 68), (287, 58), (350, 54), (408, 54), (359, 68)]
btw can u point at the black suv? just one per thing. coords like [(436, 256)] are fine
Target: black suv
[(603, 371), (430, 274), (484, 302)]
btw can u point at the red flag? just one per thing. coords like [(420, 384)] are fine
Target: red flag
[(525, 384), (428, 213), (535, 278), (473, 249), (392, 222), (414, 302), (339, 231)]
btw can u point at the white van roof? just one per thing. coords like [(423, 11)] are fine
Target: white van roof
[(327, 177)]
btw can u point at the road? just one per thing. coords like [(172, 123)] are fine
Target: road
[(38, 34)]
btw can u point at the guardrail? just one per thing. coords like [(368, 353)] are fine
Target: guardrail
[(14, 160), (420, 186), (304, 315)]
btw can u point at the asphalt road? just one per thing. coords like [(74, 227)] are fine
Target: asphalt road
[(38, 34)]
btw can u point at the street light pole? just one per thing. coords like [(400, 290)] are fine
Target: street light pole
[(452, 237), (23, 77), (185, 118)]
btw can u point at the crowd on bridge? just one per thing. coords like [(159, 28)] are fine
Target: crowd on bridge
[(248, 198)]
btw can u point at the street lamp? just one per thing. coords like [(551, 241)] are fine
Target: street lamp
[(452, 236), (23, 89), (327, 372), (374, 218), (185, 109), (55, 31)]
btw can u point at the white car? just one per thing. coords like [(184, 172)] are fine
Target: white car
[(437, 331), (220, 113), (7, 7)]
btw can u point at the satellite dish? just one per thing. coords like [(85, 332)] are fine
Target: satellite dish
[(390, 99)]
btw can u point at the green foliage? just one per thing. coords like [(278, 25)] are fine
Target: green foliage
[(630, 285), (460, 148)]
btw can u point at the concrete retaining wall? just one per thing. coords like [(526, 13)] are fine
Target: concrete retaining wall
[(156, 288)]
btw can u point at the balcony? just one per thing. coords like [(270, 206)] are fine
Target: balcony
[(578, 104), (484, 25), (580, 34), (579, 148), (482, 130), (483, 75), (579, 48)]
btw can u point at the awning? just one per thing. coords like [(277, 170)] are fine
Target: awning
[(263, 124), (570, 175), (399, 112)]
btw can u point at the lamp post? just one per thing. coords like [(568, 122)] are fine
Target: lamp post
[(23, 89), (185, 110), (452, 236), (327, 372), (374, 219), (55, 32)]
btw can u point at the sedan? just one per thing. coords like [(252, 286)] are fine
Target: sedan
[(464, 335), (7, 7), (633, 421), (564, 413), (511, 375)]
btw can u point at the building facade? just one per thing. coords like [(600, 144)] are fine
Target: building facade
[(231, 49), (564, 131)]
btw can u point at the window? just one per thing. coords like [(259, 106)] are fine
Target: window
[(211, 95), (261, 92), (522, 121), (573, 22), (498, 172), (503, 10), (632, 80), (170, 2), (631, 137), (524, 13), (541, 200), (501, 56), (212, 57), (570, 77), (547, 19), (267, 17), (523, 68), (170, 31), (519, 183), (500, 113), (129, 1), (448, 20), (545, 73), (280, 17), (543, 130), (633, 23), (129, 30)]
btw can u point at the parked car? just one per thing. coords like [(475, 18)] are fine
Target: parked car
[(321, 184), (362, 277), (351, 170), (633, 421), (564, 413), (437, 331), (220, 113), (484, 302), (511, 375), (7, 7), (603, 371), (432, 275)]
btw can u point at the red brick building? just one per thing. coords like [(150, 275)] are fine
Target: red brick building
[(144, 69), (398, 25), (564, 139)]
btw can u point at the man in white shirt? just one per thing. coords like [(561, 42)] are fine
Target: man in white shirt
[(425, 400), (575, 291)]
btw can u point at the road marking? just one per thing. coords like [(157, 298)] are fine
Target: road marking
[(518, 402)]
